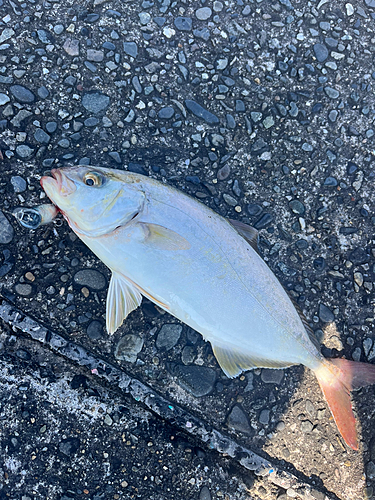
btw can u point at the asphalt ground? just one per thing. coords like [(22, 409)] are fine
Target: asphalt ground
[(262, 110)]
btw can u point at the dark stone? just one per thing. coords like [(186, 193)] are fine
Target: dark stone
[(6, 230), (23, 354), (51, 127), (95, 102), (348, 230), (325, 314), (6, 262), (198, 380), (297, 207), (254, 209), (91, 278), (95, 330), (201, 112), (321, 52), (41, 136), (131, 49), (272, 376), (79, 381), (330, 182), (264, 221), (168, 336), (166, 113), (231, 122), (137, 168), (238, 420), (183, 23), (22, 94), (223, 172)]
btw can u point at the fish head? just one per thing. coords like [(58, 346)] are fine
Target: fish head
[(95, 200)]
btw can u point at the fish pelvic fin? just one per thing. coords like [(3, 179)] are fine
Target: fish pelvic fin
[(234, 362), (337, 377), (122, 298)]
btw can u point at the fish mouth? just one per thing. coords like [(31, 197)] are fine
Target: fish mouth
[(59, 184)]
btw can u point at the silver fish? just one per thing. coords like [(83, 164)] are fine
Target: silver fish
[(201, 268)]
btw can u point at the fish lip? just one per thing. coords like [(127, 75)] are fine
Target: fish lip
[(61, 182)]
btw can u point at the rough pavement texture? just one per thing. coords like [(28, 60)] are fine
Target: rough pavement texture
[(263, 110)]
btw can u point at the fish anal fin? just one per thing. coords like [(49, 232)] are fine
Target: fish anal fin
[(163, 238), (250, 234), (233, 362), (122, 298)]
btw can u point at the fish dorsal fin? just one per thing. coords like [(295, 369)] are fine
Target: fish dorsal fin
[(233, 362), (249, 233), (164, 238), (122, 299), (308, 328)]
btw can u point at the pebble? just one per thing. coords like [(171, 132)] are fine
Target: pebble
[(6, 230), (22, 94), (19, 184), (197, 380), (349, 9), (272, 376), (168, 336), (183, 23), (306, 426), (131, 49), (23, 289), (370, 470), (95, 102), (95, 330), (4, 99), (264, 221), (71, 47), (264, 417), (297, 207), (128, 348), (95, 55), (166, 113), (201, 112), (43, 92), (330, 182), (41, 136), (205, 494), (223, 172), (24, 151), (91, 278), (321, 52), (203, 13), (332, 93), (325, 314), (238, 420)]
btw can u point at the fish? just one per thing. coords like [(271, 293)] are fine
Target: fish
[(203, 269)]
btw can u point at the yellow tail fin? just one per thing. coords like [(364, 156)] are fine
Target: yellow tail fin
[(337, 378)]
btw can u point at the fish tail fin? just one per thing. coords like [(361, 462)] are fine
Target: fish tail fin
[(337, 377)]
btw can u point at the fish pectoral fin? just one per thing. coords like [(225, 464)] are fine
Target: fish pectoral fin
[(164, 238), (233, 362), (122, 298), (250, 234)]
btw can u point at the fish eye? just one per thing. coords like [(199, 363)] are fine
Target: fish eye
[(93, 179)]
